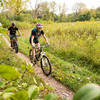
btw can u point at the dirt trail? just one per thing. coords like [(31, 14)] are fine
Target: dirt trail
[(59, 88)]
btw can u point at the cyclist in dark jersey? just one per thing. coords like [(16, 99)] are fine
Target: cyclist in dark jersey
[(35, 34), (12, 32)]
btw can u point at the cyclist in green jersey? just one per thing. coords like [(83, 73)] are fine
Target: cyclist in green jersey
[(35, 34)]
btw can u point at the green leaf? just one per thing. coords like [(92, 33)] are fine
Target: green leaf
[(88, 92), (33, 91), (34, 80), (12, 89), (51, 97), (1, 93), (41, 87), (1, 83), (20, 95), (24, 85), (1, 3), (64, 99), (9, 72), (38, 99), (7, 95)]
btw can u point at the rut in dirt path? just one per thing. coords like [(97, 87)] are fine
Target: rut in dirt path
[(59, 88)]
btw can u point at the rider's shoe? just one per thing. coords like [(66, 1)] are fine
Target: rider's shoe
[(31, 61), (34, 61), (11, 46)]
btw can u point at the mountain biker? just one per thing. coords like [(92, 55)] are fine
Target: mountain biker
[(35, 34), (12, 32)]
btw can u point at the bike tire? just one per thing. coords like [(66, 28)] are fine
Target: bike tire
[(16, 47), (42, 67), (31, 55)]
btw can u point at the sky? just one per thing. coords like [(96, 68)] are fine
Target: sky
[(69, 3)]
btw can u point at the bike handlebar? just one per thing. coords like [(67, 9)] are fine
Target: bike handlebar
[(44, 46)]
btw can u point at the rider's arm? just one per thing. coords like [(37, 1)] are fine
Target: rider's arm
[(45, 38), (19, 32), (8, 32), (32, 40)]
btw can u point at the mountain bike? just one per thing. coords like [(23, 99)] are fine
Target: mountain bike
[(14, 43), (44, 60)]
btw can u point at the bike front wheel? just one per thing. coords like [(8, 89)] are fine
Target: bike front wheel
[(46, 65)]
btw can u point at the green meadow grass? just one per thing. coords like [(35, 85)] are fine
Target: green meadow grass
[(74, 52), (11, 70)]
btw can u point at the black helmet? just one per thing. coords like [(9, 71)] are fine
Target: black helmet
[(13, 24)]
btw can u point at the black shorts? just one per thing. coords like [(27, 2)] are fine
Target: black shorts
[(34, 41), (12, 36)]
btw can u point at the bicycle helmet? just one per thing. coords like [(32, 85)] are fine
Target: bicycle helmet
[(38, 25), (13, 24)]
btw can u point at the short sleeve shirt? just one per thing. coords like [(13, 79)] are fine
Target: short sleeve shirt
[(36, 34), (13, 30)]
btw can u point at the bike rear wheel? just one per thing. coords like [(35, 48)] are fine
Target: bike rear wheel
[(15, 47), (46, 65), (31, 55)]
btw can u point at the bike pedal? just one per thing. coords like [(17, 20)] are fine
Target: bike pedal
[(34, 63), (31, 61)]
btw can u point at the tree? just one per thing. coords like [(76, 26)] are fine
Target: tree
[(52, 6), (84, 17), (97, 13), (62, 12), (98, 9), (78, 7), (15, 7), (35, 10), (93, 13)]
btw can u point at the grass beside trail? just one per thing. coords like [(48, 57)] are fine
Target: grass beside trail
[(68, 73), (73, 52), (11, 70)]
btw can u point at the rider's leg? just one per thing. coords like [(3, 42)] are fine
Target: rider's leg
[(11, 40), (11, 43), (16, 39), (38, 45), (33, 50)]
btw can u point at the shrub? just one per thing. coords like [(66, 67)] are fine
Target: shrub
[(19, 18), (23, 25), (8, 72), (41, 21), (92, 19), (4, 21), (88, 92)]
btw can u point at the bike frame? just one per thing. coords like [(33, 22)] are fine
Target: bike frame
[(15, 40), (41, 50)]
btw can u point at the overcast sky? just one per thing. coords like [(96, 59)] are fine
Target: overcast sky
[(69, 3)]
